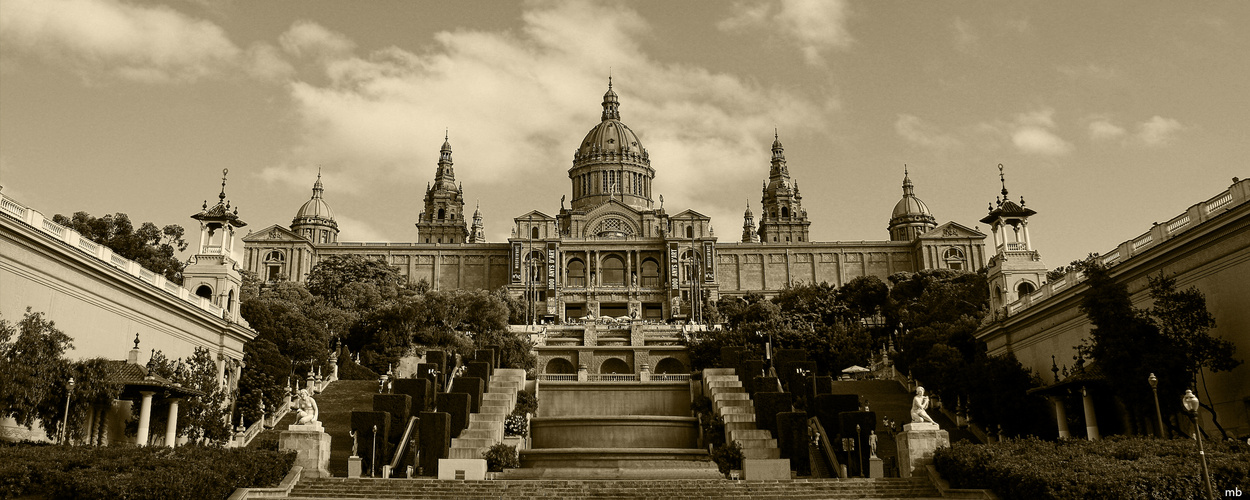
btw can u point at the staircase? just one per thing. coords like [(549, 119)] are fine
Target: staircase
[(486, 427), (732, 403), (720, 489)]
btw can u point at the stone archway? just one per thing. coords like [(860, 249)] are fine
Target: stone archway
[(672, 366), (559, 366), (615, 366)]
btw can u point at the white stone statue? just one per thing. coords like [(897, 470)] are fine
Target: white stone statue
[(307, 411), (918, 406), (872, 442)]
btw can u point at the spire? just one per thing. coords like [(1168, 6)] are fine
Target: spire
[(1002, 179), (908, 187), (611, 104), (445, 176), (778, 151), (221, 198), (317, 189)]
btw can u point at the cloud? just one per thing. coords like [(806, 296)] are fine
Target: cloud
[(1102, 129), (114, 39), (1033, 132), (814, 25), (965, 37), (1158, 131), (516, 103), (915, 131), (1090, 71), (351, 229)]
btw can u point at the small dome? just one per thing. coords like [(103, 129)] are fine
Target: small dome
[(910, 206), (315, 210), (610, 136)]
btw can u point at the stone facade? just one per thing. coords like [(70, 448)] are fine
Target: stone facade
[(616, 251)]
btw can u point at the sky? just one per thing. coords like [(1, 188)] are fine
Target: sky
[(1107, 116)]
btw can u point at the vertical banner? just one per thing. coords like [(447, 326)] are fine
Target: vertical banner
[(709, 256), (674, 274), (516, 262), (551, 266)]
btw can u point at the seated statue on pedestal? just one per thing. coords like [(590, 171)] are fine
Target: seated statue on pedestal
[(918, 406), (306, 412)]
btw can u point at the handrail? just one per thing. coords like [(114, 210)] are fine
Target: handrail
[(827, 450), (402, 447)]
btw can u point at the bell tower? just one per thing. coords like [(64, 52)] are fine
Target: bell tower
[(748, 226), (212, 272), (783, 219), (443, 218), (1016, 269)]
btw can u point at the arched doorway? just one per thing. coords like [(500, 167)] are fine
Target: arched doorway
[(671, 366), (615, 366), (559, 366)]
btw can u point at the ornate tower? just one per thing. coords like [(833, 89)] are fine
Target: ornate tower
[(611, 163), (748, 226), (911, 217), (476, 234), (212, 272), (1015, 270), (315, 220), (443, 218), (783, 219)]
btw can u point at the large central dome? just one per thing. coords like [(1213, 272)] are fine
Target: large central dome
[(611, 163)]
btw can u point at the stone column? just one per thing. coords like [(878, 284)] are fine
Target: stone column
[(171, 426), (1061, 417), (1091, 420), (145, 418)]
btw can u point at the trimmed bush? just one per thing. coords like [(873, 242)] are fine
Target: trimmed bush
[(515, 425), (727, 457), (500, 457), (157, 472), (1114, 468)]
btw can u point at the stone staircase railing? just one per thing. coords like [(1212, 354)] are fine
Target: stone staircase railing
[(486, 427)]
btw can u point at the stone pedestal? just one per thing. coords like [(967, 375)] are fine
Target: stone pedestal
[(311, 446), (353, 466), (766, 469), (463, 469), (916, 445), (876, 468)]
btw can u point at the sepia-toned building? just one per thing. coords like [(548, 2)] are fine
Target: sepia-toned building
[(615, 250)]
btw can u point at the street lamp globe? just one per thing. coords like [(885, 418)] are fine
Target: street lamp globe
[(1190, 401), (1154, 381)]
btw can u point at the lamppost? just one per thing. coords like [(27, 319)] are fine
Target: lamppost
[(68, 391), (1154, 387), (1190, 401), (696, 292)]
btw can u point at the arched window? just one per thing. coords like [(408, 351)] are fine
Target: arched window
[(690, 231), (575, 274), (785, 212), (650, 273), (954, 258), (534, 232), (614, 366), (204, 291), (1025, 288), (539, 266), (442, 214), (274, 262), (613, 271)]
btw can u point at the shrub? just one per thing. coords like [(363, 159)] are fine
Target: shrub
[(500, 457), (727, 457), (190, 472), (515, 425), (526, 402), (1114, 468)]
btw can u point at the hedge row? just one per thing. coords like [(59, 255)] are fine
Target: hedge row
[(1113, 468), (133, 473)]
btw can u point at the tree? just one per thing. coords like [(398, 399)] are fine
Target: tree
[(329, 277), (865, 296), (1171, 340), (265, 381), (152, 247), (34, 374)]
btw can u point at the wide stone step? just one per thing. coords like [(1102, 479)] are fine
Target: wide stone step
[(734, 410), (714, 372), (765, 453), (725, 386), (471, 443), (721, 378), (741, 434), (738, 417), (725, 396), (616, 489), (465, 452), (487, 434), (757, 443), (487, 417)]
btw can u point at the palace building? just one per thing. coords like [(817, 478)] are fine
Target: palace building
[(615, 250)]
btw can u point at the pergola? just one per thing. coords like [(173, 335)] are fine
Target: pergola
[(141, 386)]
